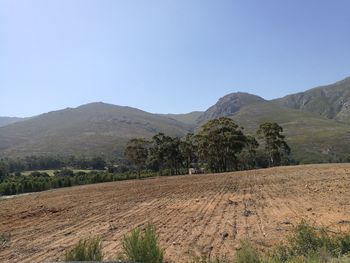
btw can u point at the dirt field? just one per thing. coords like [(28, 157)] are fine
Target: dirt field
[(194, 215)]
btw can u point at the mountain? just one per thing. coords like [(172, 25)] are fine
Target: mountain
[(9, 120), (229, 105), (332, 101), (312, 137), (316, 123), (95, 128), (188, 118)]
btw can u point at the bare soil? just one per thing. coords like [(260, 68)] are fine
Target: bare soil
[(194, 215)]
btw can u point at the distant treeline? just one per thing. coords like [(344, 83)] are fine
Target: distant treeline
[(31, 163), (39, 181)]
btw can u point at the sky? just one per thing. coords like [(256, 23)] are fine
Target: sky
[(166, 56)]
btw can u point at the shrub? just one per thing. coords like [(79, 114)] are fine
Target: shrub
[(143, 247), (247, 254), (86, 250), (311, 243)]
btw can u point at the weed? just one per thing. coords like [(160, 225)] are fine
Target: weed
[(86, 250), (247, 254), (143, 247)]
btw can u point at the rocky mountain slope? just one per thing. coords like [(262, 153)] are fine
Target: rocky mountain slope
[(331, 101)]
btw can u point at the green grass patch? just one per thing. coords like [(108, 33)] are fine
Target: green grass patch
[(86, 250), (142, 246)]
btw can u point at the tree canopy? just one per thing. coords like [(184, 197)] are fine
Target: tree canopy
[(275, 146), (219, 142)]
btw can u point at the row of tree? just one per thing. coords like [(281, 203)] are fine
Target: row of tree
[(220, 145), (33, 162), (40, 181)]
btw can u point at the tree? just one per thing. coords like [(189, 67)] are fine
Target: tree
[(219, 142), (248, 156), (137, 153), (3, 169), (98, 163), (165, 153), (274, 143), (188, 148)]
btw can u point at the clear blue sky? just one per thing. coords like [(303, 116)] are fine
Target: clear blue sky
[(167, 55)]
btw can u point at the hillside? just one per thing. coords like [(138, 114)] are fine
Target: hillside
[(95, 128), (9, 120), (313, 138), (316, 122), (229, 105), (188, 118), (331, 101)]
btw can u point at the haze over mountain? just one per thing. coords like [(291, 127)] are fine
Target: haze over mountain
[(316, 123), (8, 120)]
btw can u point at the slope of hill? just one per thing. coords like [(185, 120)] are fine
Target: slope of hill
[(188, 118), (313, 138), (95, 128), (332, 101), (9, 120), (229, 105)]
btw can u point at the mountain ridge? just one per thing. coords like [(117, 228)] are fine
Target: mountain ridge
[(314, 133), (331, 101)]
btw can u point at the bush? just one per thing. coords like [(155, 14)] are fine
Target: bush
[(310, 243), (143, 247), (247, 254), (86, 250)]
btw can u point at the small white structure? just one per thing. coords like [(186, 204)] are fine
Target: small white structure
[(196, 171)]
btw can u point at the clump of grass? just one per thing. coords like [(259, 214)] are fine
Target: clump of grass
[(86, 250), (143, 247), (247, 254), (312, 244)]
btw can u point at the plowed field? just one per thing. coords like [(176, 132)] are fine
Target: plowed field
[(194, 215)]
